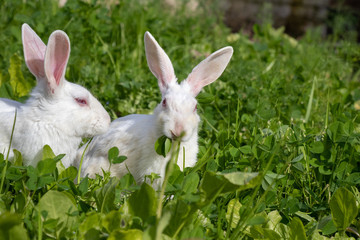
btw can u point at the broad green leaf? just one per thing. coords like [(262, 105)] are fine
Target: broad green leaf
[(305, 216), (126, 181), (163, 146), (213, 184), (190, 183), (143, 202), (180, 212), (44, 180), (17, 232), (9, 220), (47, 152), (317, 236), (348, 128), (234, 152), (297, 230), (205, 98), (343, 208), (84, 185), (93, 220), (317, 147), (326, 225), (58, 206), (105, 196), (90, 227), (131, 234), (298, 158), (334, 130), (119, 159), (11, 227), (353, 178), (270, 179), (32, 173), (112, 221), (46, 166), (167, 146), (233, 212), (258, 232), (17, 81), (274, 219), (257, 219), (245, 149), (113, 155), (59, 165), (69, 173), (19, 203), (5, 88), (13, 174), (176, 178), (242, 178), (343, 169), (18, 159), (164, 221), (339, 132), (324, 170)]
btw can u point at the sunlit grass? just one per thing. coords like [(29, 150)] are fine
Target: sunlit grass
[(279, 131)]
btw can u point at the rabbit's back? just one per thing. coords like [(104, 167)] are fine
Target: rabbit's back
[(128, 134)]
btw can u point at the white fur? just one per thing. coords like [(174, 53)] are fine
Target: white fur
[(54, 114), (135, 135), (7, 105)]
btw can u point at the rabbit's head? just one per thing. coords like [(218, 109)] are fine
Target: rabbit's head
[(177, 111), (68, 106)]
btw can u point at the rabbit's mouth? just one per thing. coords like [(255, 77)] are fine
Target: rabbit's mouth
[(178, 137)]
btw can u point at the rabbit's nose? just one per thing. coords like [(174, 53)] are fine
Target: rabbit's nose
[(178, 131)]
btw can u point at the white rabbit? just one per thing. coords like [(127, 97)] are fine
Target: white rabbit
[(58, 113), (176, 115), (8, 105)]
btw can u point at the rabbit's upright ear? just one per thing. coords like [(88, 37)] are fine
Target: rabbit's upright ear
[(209, 69), (56, 58), (34, 51), (159, 63)]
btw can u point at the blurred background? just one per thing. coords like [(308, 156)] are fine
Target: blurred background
[(297, 16)]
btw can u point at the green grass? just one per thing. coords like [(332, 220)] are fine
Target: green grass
[(279, 136)]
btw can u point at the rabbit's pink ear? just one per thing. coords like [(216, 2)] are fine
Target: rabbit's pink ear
[(209, 69), (159, 63), (56, 58), (34, 51)]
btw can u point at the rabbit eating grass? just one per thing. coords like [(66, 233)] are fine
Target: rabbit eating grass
[(175, 117), (58, 113)]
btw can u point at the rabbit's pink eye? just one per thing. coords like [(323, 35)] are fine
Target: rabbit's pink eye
[(81, 101), (164, 102)]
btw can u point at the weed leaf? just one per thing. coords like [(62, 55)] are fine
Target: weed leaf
[(105, 196), (297, 230), (58, 206), (213, 184), (131, 234), (233, 212), (163, 146), (17, 81), (142, 202), (343, 208)]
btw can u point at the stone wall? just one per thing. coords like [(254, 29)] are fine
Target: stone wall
[(295, 15)]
